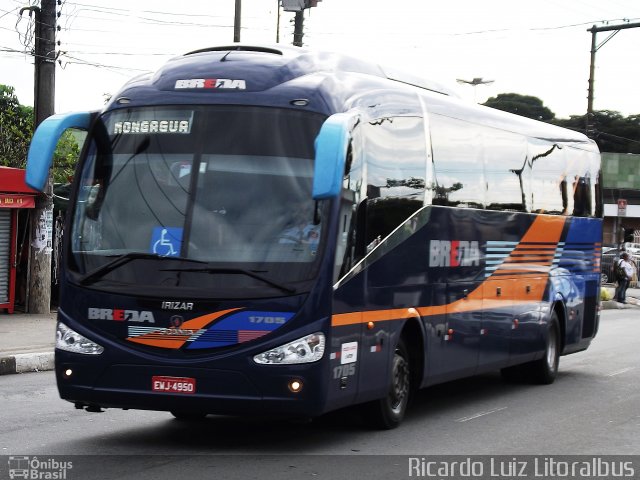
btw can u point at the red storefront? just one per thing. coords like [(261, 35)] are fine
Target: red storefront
[(14, 196)]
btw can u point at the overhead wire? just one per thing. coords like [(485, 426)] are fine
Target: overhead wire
[(104, 14)]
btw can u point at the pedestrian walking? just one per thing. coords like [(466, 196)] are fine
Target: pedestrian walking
[(625, 268)]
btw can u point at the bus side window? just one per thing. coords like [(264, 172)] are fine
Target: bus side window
[(506, 170), (582, 184), (396, 169), (347, 251), (458, 163), (582, 204), (548, 171)]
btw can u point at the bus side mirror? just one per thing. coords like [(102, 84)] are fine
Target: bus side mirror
[(44, 142), (331, 153)]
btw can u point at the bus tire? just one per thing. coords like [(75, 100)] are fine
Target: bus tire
[(544, 370), (188, 416), (388, 412)]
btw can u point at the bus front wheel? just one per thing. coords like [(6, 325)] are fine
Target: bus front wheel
[(388, 412)]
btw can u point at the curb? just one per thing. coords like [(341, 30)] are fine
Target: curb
[(26, 362), (632, 303)]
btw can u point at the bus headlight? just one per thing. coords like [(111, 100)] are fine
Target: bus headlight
[(303, 350), (71, 341)]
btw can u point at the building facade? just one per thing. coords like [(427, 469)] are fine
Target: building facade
[(621, 198)]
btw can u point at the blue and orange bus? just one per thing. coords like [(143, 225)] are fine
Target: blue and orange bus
[(273, 230)]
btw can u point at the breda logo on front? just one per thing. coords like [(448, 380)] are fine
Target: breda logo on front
[(120, 315), (211, 83), (454, 253)]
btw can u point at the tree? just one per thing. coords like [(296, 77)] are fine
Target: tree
[(16, 129), (613, 132), (524, 105), (65, 157)]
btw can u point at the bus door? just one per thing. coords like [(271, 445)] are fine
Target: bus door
[(345, 347)]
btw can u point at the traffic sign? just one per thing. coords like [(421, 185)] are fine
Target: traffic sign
[(622, 207)]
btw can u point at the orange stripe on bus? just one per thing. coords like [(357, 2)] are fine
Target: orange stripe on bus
[(513, 291), (158, 343), (545, 228), (201, 322), (171, 340)]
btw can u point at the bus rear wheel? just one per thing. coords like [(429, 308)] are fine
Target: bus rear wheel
[(545, 370), (388, 412)]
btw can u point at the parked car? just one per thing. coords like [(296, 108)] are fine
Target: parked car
[(607, 263), (632, 248)]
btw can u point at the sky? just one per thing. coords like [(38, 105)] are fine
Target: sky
[(539, 48)]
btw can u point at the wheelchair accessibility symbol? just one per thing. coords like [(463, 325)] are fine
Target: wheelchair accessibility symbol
[(166, 241)]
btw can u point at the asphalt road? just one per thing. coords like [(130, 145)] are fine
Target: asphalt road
[(591, 409)]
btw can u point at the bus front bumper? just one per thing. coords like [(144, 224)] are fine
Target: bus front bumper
[(262, 390)]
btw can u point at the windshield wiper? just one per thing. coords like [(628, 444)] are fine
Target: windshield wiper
[(117, 262), (233, 271)]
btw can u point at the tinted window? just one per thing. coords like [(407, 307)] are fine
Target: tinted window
[(506, 170), (549, 185), (395, 156), (458, 163)]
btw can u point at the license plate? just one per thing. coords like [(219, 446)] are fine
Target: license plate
[(173, 384)]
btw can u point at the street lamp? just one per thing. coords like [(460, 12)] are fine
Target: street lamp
[(475, 82)]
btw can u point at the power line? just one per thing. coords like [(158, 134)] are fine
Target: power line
[(80, 61), (173, 14)]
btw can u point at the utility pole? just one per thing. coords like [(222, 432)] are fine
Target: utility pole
[(237, 21), (297, 6), (39, 293), (278, 23), (298, 31), (592, 68)]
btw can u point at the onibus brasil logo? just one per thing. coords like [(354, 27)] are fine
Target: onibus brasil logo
[(38, 469)]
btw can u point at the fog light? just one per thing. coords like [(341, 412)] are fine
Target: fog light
[(68, 372), (295, 386)]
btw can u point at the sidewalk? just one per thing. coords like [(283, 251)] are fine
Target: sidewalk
[(633, 299), (27, 341)]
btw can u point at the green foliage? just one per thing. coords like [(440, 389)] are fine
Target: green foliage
[(16, 129), (524, 105), (65, 157), (613, 132)]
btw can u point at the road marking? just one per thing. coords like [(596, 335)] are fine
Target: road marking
[(478, 415), (619, 372)]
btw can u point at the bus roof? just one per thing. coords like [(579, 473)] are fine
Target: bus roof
[(277, 75), (250, 70)]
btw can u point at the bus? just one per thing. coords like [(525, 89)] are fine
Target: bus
[(282, 231)]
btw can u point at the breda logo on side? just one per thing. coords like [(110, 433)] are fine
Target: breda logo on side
[(454, 253)]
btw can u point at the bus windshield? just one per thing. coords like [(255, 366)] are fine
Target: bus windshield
[(209, 199)]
